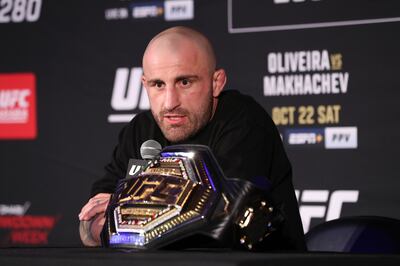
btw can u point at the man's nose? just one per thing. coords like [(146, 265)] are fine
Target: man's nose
[(171, 98)]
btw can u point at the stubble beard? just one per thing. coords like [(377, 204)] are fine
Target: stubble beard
[(195, 122)]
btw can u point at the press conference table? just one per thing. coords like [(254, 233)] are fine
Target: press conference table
[(100, 256)]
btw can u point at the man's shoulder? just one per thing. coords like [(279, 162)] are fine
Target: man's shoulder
[(143, 127), (235, 100), (142, 117), (139, 124), (235, 105)]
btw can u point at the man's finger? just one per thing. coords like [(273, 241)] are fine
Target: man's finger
[(95, 205), (96, 200), (92, 210)]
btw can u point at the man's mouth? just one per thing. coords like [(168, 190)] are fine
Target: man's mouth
[(174, 119)]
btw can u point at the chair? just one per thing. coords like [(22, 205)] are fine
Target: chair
[(357, 234)]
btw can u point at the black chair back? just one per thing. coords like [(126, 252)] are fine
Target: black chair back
[(358, 234)]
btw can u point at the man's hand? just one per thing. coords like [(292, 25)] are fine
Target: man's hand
[(95, 205), (92, 219)]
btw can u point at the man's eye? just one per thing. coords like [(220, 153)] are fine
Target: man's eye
[(185, 82), (158, 85)]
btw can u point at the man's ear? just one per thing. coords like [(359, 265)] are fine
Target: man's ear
[(144, 81), (219, 80), (144, 85)]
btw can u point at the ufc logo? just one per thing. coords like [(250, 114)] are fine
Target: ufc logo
[(160, 189), (135, 169), (323, 204), (128, 94)]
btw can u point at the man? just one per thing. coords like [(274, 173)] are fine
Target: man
[(188, 106)]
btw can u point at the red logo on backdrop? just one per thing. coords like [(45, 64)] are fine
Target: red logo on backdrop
[(27, 229), (18, 106), (21, 229)]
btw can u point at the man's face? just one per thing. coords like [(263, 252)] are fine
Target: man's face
[(180, 89)]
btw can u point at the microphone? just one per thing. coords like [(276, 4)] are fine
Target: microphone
[(150, 150)]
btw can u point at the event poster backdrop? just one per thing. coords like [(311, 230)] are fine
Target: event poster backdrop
[(326, 71)]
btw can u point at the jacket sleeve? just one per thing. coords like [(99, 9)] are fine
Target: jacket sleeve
[(116, 169)]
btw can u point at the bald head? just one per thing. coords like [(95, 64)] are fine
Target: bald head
[(181, 81), (178, 40)]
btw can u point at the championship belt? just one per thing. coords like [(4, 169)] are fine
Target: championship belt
[(184, 193)]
